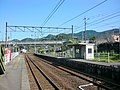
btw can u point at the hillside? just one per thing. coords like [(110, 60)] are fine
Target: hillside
[(90, 33)]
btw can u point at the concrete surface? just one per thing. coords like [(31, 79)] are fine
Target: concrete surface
[(15, 77)]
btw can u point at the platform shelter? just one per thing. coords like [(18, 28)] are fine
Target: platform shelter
[(83, 50)]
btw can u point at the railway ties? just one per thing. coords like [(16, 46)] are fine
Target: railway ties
[(63, 79), (41, 80), (89, 80), (107, 78)]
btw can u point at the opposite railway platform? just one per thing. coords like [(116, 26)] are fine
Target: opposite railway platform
[(16, 75)]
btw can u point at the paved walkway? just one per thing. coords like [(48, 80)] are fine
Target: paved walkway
[(15, 77)]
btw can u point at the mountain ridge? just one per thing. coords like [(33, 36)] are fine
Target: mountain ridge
[(79, 35)]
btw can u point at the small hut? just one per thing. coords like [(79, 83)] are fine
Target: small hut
[(83, 50)]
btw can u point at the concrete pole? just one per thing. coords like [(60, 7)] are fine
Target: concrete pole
[(6, 36), (85, 33), (85, 30), (119, 43), (72, 32), (35, 44)]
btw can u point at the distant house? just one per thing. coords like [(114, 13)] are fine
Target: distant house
[(116, 38)]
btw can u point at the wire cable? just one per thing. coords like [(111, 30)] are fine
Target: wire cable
[(83, 12), (105, 20), (107, 24), (53, 12), (110, 16), (104, 17), (101, 21)]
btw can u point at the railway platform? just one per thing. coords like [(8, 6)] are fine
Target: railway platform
[(16, 76)]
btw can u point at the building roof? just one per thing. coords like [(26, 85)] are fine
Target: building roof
[(81, 44)]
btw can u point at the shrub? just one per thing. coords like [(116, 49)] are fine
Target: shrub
[(115, 57)]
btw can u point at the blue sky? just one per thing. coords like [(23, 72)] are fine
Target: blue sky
[(34, 12)]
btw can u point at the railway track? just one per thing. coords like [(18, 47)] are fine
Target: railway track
[(102, 83), (57, 76), (78, 75), (65, 79), (42, 81)]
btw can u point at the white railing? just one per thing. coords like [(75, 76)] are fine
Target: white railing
[(39, 42)]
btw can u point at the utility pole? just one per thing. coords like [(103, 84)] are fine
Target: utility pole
[(85, 34), (6, 36), (72, 32), (119, 42), (35, 43), (85, 29), (82, 36)]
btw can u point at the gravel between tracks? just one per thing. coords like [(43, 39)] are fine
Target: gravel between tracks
[(63, 79)]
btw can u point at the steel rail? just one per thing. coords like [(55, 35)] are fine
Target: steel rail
[(35, 78), (72, 72), (47, 78)]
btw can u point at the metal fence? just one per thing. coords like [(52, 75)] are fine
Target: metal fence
[(107, 57)]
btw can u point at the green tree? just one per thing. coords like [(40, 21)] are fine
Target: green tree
[(92, 39)]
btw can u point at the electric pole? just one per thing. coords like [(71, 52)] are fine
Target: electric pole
[(85, 34), (85, 30), (119, 43), (82, 36), (6, 36), (35, 43), (72, 32)]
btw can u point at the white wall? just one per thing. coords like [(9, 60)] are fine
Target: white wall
[(9, 58), (89, 56)]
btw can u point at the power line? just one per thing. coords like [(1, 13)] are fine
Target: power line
[(110, 16), (108, 24), (104, 17), (103, 20), (53, 12), (83, 12), (77, 27), (93, 17)]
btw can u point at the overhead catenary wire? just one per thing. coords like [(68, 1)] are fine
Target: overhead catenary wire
[(107, 24), (53, 12), (82, 23), (104, 17), (94, 21), (100, 21), (108, 17), (83, 13)]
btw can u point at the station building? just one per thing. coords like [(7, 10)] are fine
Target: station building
[(83, 51)]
